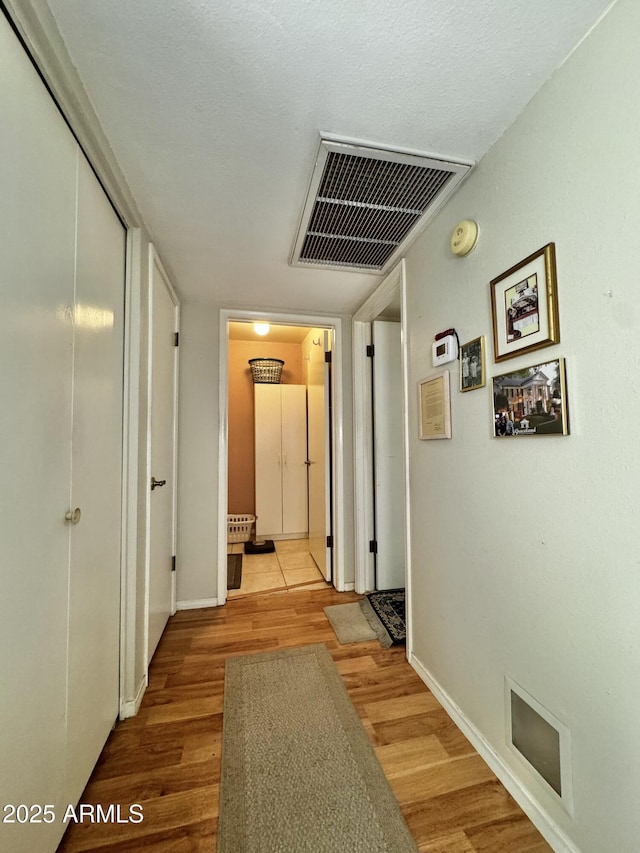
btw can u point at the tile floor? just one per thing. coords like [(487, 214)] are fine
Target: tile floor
[(290, 567)]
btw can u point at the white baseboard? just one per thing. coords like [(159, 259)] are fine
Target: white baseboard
[(131, 707), (196, 604), (552, 833), (348, 587)]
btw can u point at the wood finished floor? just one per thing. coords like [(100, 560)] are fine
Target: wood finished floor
[(168, 757)]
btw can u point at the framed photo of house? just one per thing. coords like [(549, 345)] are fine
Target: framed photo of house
[(531, 401), (435, 407), (472, 369), (524, 305)]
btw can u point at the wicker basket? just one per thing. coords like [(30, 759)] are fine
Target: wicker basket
[(266, 370), (239, 528)]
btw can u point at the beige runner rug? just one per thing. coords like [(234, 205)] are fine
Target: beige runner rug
[(298, 772)]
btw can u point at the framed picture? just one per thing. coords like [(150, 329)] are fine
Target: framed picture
[(532, 401), (524, 305), (435, 407), (472, 370)]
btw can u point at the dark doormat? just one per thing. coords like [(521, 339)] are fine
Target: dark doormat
[(234, 571), (265, 546), (389, 607)]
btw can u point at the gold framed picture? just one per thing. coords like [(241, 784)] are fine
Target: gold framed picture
[(472, 365), (524, 305)]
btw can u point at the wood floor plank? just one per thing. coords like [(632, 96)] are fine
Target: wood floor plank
[(197, 706), (441, 778), (401, 706), (406, 757), (513, 833), (456, 843), (168, 757), (469, 807), (152, 784), (161, 815)]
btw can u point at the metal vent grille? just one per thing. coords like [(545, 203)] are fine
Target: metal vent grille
[(365, 205)]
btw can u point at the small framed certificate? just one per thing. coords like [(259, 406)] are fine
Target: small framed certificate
[(435, 407)]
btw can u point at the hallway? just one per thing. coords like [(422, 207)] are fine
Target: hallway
[(168, 757)]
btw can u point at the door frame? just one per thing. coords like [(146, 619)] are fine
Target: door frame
[(393, 285), (154, 258), (228, 315), (131, 693)]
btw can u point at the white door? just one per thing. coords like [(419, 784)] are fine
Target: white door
[(388, 455), (319, 438), (295, 519), (94, 585), (38, 161), (268, 459), (162, 460), (280, 456)]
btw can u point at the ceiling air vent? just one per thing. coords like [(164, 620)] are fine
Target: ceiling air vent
[(365, 205)]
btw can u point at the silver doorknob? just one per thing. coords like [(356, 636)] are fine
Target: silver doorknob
[(157, 483), (72, 516)]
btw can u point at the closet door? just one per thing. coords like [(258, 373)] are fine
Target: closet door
[(295, 510), (94, 582), (37, 223), (268, 459)]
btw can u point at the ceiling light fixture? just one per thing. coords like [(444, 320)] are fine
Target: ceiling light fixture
[(261, 328)]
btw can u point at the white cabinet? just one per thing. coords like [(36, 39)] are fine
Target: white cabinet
[(280, 460), (61, 349)]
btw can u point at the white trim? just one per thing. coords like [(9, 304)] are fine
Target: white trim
[(197, 604), (381, 296), (227, 316), (408, 554), (223, 461), (176, 401), (349, 587), (131, 707), (154, 259), (130, 451), (552, 833), (362, 456)]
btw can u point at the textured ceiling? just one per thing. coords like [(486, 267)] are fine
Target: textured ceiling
[(213, 110)]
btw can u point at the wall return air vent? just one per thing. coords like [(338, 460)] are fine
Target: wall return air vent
[(366, 205)]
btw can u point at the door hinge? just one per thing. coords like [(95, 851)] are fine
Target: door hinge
[(329, 541), (173, 564), (373, 547), (370, 351), (327, 356), (176, 340)]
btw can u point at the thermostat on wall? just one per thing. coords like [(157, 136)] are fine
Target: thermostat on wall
[(444, 350)]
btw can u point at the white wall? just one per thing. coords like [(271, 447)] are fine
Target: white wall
[(526, 552), (197, 540)]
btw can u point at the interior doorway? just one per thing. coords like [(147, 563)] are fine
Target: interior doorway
[(382, 319), (388, 473), (265, 454)]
